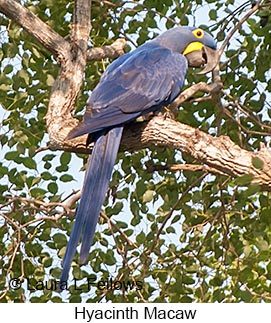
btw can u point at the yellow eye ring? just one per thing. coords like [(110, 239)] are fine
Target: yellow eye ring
[(199, 33)]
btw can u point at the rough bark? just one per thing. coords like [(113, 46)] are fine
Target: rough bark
[(219, 153), (68, 83), (34, 26)]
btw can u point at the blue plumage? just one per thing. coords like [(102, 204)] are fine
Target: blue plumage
[(144, 80)]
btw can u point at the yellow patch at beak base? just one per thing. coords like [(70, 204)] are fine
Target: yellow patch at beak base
[(192, 47)]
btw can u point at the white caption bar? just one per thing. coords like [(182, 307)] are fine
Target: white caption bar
[(135, 313)]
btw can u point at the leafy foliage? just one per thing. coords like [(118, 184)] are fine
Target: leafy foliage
[(177, 237)]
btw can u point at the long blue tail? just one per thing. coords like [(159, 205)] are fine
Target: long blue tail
[(97, 178)]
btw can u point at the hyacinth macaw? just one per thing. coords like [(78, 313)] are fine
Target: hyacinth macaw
[(142, 81)]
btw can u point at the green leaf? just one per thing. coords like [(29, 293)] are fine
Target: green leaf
[(110, 258), (47, 176), (170, 230), (48, 157), (52, 188), (65, 158), (121, 224), (66, 178), (140, 238), (213, 14), (244, 180), (60, 240), (257, 163), (8, 69), (38, 193), (29, 163), (12, 155)]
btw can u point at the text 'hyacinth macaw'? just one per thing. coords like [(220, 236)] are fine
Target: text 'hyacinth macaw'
[(144, 80)]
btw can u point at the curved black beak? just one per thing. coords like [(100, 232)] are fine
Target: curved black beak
[(206, 56), (211, 58)]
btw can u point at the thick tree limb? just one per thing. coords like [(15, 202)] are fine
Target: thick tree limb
[(68, 83), (34, 26), (71, 55), (218, 155), (79, 144), (51, 40)]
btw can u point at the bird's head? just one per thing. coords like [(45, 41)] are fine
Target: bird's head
[(198, 46)]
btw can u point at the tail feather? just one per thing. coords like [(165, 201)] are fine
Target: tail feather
[(109, 147), (97, 178)]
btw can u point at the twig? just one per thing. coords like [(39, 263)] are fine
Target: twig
[(182, 167), (237, 26), (192, 90), (168, 216), (113, 225)]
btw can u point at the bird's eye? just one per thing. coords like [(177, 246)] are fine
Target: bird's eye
[(198, 33)]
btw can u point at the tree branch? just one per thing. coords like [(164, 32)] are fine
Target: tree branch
[(219, 153), (181, 167), (191, 91), (72, 57), (59, 141), (69, 80), (51, 40), (112, 51), (34, 26), (68, 83), (238, 25)]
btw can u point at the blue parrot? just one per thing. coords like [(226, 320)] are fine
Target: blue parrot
[(141, 81)]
